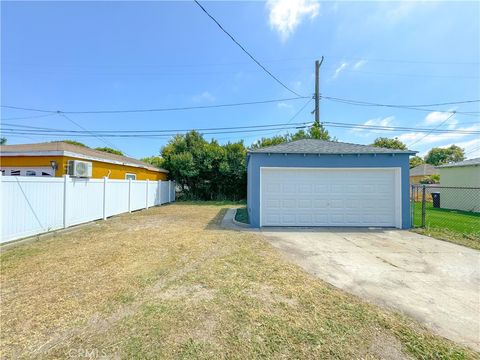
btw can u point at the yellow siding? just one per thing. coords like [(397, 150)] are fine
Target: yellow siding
[(99, 169)]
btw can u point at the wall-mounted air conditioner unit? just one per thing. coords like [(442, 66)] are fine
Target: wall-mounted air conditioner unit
[(79, 168)]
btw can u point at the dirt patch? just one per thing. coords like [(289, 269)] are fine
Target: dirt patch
[(268, 294), (191, 293), (387, 347)]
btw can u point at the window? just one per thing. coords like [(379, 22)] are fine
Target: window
[(3, 172), (30, 173), (129, 176), (46, 174), (15, 172)]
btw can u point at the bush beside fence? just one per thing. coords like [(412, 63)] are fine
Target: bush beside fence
[(35, 205)]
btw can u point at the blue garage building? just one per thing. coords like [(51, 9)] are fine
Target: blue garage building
[(324, 183)]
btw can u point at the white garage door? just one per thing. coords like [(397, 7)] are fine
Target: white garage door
[(330, 197)]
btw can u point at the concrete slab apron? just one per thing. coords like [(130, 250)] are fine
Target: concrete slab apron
[(435, 282)]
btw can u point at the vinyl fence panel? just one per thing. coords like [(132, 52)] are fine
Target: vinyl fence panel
[(84, 200), (35, 205), (164, 192), (137, 195), (116, 199), (30, 206), (152, 195)]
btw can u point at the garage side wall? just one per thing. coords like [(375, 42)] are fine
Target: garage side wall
[(256, 161)]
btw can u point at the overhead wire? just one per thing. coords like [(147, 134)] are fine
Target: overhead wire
[(110, 144), (157, 109), (245, 50), (436, 128), (280, 126), (162, 130), (161, 135), (398, 106)]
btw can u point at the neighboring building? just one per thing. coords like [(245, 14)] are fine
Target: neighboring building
[(324, 183), (460, 175), (420, 172), (54, 158)]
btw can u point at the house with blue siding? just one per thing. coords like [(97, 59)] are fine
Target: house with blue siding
[(326, 183)]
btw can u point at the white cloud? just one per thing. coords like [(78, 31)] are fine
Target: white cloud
[(286, 15), (436, 117), (385, 122), (204, 97), (339, 69), (283, 105), (435, 138), (359, 64), (345, 66)]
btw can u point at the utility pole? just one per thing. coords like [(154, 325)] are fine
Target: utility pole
[(317, 89)]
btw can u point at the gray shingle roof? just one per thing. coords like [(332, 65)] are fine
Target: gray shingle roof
[(423, 170), (63, 146), (313, 146), (470, 162)]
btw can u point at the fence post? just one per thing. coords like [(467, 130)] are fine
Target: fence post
[(146, 200), (129, 195), (423, 206), (65, 199), (412, 206), (159, 192), (105, 198), (169, 190)]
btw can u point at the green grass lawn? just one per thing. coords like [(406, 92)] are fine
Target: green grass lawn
[(461, 227), (242, 215)]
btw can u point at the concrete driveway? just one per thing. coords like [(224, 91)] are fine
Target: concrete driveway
[(435, 282)]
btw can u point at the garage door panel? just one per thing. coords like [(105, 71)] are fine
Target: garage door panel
[(304, 203), (316, 197)]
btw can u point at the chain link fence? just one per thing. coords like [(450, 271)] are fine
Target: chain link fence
[(453, 209)]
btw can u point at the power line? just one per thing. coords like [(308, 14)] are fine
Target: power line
[(472, 150), (436, 128), (163, 135), (28, 117), (398, 128), (418, 107), (157, 109), (297, 113), (196, 64), (245, 50), (163, 130), (97, 137), (407, 107), (170, 132)]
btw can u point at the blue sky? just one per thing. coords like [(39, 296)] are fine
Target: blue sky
[(75, 56)]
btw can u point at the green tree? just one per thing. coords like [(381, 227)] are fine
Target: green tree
[(73, 142), (269, 141), (316, 131), (3, 141), (439, 156), (109, 150), (388, 143), (206, 170), (415, 161), (156, 161)]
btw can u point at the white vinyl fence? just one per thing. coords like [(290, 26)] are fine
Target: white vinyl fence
[(35, 205)]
